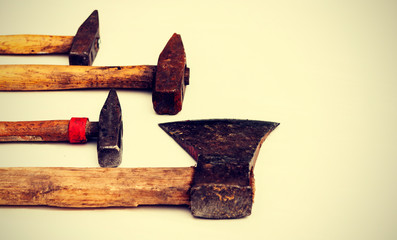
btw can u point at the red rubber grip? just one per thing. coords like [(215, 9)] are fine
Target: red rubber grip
[(77, 130)]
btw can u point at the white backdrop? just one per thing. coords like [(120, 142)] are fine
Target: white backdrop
[(326, 70)]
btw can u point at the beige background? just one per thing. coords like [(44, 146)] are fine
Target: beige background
[(326, 70)]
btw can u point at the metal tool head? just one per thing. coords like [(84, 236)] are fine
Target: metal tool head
[(225, 151), (172, 76), (110, 132), (86, 42)]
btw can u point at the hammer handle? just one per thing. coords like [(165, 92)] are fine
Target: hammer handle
[(58, 77), (34, 131), (46, 131), (35, 44), (95, 187)]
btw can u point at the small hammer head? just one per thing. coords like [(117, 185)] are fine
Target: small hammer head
[(225, 151), (172, 76), (110, 132), (86, 42)]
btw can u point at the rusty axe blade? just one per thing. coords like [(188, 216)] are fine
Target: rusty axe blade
[(110, 132), (225, 151)]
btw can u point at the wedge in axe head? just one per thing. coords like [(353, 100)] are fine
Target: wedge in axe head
[(167, 80), (108, 131), (82, 48), (220, 186)]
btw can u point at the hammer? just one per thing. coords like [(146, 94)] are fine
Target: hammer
[(108, 131), (82, 48), (167, 80), (220, 186)]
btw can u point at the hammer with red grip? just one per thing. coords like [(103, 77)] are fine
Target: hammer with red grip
[(107, 131)]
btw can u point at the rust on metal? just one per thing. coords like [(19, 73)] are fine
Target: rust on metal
[(225, 151), (86, 42), (171, 79)]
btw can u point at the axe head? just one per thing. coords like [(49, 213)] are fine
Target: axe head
[(225, 151), (86, 42), (172, 76), (110, 132)]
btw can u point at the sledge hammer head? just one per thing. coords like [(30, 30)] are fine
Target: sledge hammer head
[(85, 43), (110, 132), (171, 79), (225, 151)]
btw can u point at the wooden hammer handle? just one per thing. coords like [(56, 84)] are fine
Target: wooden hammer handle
[(34, 131), (95, 187), (58, 77), (76, 130), (35, 44)]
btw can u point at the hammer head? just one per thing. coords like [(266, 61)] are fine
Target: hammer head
[(172, 76), (110, 132), (225, 151), (85, 44)]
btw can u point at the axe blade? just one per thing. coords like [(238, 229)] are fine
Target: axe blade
[(110, 132), (225, 151)]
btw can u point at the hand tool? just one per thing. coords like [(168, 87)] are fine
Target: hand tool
[(82, 48), (220, 186), (167, 80), (108, 131)]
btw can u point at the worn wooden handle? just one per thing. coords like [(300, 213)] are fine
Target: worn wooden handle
[(35, 44), (95, 187), (75, 130), (34, 131), (58, 77)]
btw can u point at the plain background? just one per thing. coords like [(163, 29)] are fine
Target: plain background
[(326, 70)]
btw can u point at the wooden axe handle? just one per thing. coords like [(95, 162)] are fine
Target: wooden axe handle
[(35, 44), (51, 131), (58, 77), (95, 187)]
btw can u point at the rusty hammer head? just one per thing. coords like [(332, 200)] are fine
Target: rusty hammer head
[(225, 151), (171, 79), (86, 42), (110, 132)]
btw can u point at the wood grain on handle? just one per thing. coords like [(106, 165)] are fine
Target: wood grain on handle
[(58, 77), (35, 44), (34, 131), (95, 187)]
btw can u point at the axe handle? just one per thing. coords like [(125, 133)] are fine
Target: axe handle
[(95, 187), (35, 44), (34, 131), (58, 77)]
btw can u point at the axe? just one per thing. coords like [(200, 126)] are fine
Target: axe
[(220, 186), (167, 80), (108, 131), (82, 48)]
